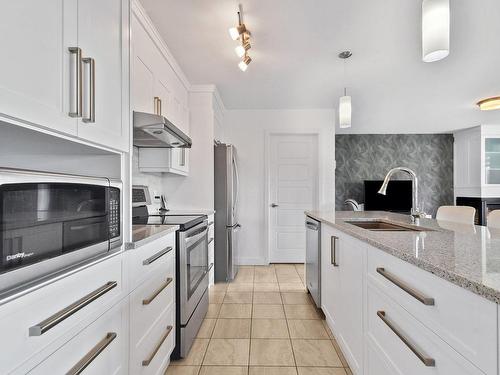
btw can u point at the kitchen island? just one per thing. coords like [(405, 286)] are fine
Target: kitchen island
[(410, 299)]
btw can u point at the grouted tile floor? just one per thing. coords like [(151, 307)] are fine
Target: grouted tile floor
[(263, 322)]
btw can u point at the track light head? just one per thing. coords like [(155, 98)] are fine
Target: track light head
[(235, 32), (241, 50), (243, 65)]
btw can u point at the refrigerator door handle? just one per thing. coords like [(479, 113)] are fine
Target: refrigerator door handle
[(237, 188)]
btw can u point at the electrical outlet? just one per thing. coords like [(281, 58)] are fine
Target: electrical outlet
[(156, 197)]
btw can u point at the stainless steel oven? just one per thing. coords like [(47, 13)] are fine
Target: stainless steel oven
[(50, 222), (192, 285)]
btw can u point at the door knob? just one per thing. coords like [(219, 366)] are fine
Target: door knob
[(273, 205)]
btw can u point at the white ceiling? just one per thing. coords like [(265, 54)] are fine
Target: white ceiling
[(295, 44)]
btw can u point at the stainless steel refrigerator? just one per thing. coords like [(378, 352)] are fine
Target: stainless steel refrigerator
[(227, 226)]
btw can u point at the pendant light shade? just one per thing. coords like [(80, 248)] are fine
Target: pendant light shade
[(345, 110), (435, 29)]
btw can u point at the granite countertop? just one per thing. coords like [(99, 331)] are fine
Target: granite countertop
[(143, 234), (465, 255)]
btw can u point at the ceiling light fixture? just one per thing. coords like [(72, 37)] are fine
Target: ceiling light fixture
[(241, 50), (345, 105), (242, 33), (435, 30), (489, 104), (243, 65)]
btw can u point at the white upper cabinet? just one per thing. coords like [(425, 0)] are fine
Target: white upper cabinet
[(100, 28), (48, 43), (157, 88), (35, 68)]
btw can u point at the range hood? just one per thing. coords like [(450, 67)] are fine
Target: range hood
[(155, 131)]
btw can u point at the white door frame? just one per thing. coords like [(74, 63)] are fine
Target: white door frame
[(319, 175)]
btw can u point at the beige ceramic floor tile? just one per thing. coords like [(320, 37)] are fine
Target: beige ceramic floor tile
[(286, 278), (240, 311), (227, 352), (182, 370), (339, 353), (219, 287), (240, 287), (196, 354), (301, 312), (223, 370), (232, 329), (265, 275), (321, 371), (330, 334), (292, 298), (310, 353), (244, 276), (348, 371), (292, 287), (267, 298), (213, 310), (273, 371), (206, 329), (266, 287), (269, 329), (246, 267), (268, 312), (271, 352), (307, 329), (216, 297), (238, 297)]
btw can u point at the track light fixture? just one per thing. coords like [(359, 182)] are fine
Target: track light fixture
[(243, 34)]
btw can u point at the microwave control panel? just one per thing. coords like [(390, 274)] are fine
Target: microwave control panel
[(114, 212)]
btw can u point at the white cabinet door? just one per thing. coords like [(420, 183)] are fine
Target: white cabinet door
[(35, 68), (330, 278), (350, 259), (101, 27)]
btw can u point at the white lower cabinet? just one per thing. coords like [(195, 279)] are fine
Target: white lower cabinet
[(98, 349), (391, 317), (342, 280), (405, 346)]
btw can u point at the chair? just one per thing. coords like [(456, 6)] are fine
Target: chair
[(493, 219), (457, 214)]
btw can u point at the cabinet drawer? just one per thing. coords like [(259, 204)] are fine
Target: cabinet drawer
[(148, 258), (463, 319), (151, 355), (150, 300), (100, 348), (33, 322), (406, 344)]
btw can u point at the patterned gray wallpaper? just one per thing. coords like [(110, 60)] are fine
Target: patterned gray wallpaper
[(369, 156)]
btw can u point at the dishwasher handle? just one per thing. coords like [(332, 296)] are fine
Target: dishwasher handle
[(313, 226)]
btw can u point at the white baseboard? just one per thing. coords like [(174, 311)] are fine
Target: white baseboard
[(252, 262)]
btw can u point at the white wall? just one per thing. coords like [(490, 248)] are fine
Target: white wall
[(247, 130)]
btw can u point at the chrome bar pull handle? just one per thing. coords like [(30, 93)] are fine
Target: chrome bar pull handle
[(155, 294), (91, 90), (156, 256), (427, 361), (60, 316), (333, 251), (429, 301), (146, 362), (75, 105), (92, 354)]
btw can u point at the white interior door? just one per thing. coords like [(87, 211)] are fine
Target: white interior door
[(293, 188)]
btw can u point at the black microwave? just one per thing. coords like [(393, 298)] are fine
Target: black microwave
[(50, 222)]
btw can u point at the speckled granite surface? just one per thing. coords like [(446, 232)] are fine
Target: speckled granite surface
[(143, 234), (466, 255)]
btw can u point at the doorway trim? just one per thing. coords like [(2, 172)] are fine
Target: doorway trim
[(320, 175)]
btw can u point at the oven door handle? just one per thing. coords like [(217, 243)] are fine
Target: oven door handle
[(196, 237)]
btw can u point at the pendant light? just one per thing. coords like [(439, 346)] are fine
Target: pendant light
[(243, 34), (435, 29), (345, 106), (489, 104)]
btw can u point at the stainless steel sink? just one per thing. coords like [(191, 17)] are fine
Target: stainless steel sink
[(383, 226)]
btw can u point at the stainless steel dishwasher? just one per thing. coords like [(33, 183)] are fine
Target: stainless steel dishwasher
[(313, 259)]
